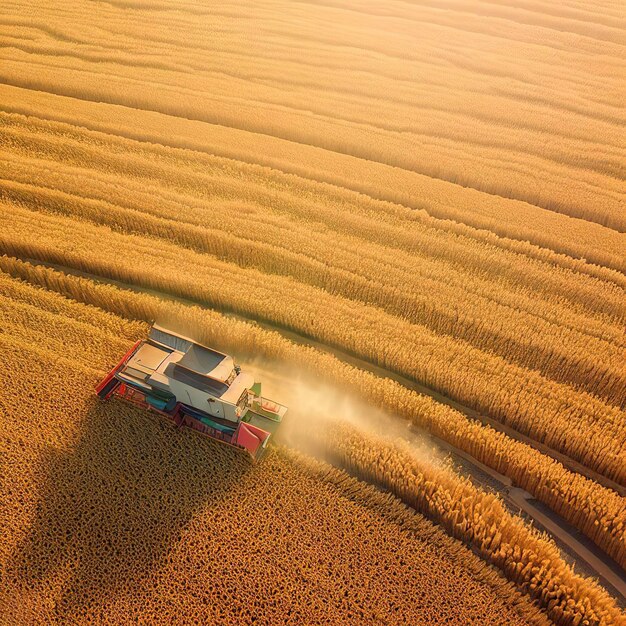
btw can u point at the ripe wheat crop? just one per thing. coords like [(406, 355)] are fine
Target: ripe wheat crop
[(388, 192), (564, 345), (422, 205), (405, 117), (470, 515), (108, 515), (553, 413), (599, 513)]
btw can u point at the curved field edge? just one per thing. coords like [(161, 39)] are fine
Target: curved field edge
[(598, 512), (567, 462)]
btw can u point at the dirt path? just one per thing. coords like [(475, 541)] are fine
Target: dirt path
[(577, 549)]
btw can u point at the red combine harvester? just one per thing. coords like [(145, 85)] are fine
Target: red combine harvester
[(195, 386)]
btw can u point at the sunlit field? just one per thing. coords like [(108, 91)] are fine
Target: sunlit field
[(407, 219)]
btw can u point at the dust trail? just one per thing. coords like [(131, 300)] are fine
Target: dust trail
[(315, 407)]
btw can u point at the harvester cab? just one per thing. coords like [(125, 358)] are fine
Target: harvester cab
[(195, 386)]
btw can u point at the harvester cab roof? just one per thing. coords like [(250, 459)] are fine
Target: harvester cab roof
[(196, 386)]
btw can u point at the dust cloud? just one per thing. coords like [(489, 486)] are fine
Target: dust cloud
[(314, 405)]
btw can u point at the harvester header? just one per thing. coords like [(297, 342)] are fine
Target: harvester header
[(193, 385)]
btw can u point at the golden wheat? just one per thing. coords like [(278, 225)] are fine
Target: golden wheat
[(109, 516), (471, 515), (412, 121), (577, 245), (598, 512), (550, 412), (393, 224), (567, 347), (132, 174), (434, 190)]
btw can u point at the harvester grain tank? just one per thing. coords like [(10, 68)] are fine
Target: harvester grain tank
[(193, 385)]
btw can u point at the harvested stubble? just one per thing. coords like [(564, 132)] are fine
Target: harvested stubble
[(554, 413), (109, 516), (598, 512)]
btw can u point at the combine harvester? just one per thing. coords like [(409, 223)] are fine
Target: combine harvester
[(195, 386)]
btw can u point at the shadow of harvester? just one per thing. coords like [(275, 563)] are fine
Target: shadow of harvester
[(116, 502)]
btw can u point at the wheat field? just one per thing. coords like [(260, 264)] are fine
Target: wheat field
[(419, 206), (110, 487)]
